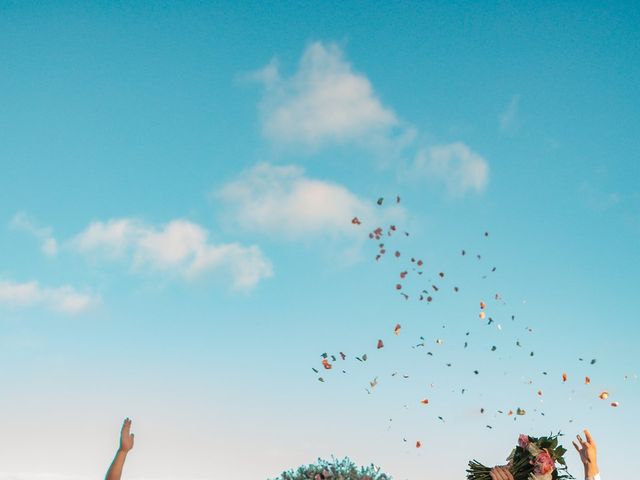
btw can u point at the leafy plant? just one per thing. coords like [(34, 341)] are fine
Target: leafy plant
[(334, 469)]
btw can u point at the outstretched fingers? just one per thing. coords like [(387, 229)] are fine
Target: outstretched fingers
[(587, 434)]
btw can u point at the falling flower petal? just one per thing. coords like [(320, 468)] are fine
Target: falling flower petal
[(482, 315), (604, 395), (380, 344), (615, 404), (424, 401), (356, 221), (564, 377), (397, 329), (587, 380), (418, 444), (326, 364)]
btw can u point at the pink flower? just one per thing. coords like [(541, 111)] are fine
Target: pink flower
[(544, 464), (523, 441)]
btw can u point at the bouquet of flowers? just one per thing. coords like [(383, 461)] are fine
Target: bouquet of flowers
[(533, 459)]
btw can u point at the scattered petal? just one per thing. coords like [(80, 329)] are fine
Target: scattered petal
[(397, 329), (380, 344), (604, 395)]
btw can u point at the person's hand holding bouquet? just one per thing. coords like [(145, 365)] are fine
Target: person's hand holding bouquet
[(500, 473), (532, 459)]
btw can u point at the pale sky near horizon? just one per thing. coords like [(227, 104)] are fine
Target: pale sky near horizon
[(177, 189)]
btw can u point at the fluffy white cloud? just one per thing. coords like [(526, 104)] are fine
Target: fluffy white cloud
[(179, 246), (324, 101), (23, 222), (456, 165), (281, 200), (64, 299)]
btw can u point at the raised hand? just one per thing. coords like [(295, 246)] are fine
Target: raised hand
[(500, 473), (587, 451), (126, 444), (126, 437)]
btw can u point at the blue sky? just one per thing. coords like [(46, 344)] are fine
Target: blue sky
[(177, 185)]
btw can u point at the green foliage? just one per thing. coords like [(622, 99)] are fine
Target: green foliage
[(335, 469)]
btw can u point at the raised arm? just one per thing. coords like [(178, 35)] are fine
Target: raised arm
[(587, 450), (126, 444)]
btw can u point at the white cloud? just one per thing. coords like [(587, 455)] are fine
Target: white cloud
[(23, 222), (456, 165), (508, 118), (324, 101), (64, 299), (281, 200), (179, 246)]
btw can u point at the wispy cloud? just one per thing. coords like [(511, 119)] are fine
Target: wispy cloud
[(23, 222), (597, 199), (179, 246), (65, 299), (455, 164), (508, 119), (282, 200)]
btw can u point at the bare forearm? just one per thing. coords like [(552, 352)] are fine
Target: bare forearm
[(591, 470), (115, 470)]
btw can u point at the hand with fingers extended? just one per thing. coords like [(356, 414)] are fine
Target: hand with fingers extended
[(126, 444), (126, 437), (587, 450), (500, 473)]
